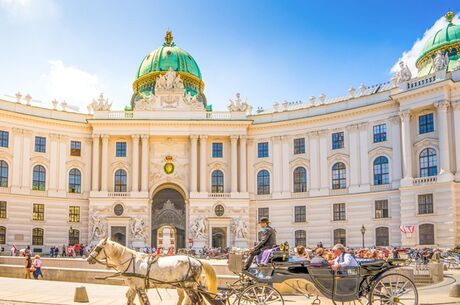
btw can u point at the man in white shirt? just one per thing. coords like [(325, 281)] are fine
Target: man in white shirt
[(342, 259)]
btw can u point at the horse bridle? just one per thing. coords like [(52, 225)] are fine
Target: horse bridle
[(97, 251)]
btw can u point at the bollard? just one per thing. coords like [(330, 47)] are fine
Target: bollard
[(80, 295), (454, 291)]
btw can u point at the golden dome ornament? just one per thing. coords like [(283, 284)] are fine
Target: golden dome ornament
[(169, 165)]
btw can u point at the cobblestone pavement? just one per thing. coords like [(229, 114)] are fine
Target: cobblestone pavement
[(32, 292)]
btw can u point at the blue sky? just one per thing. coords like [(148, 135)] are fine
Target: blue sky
[(268, 50)]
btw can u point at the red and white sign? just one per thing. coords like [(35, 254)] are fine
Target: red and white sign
[(407, 229)]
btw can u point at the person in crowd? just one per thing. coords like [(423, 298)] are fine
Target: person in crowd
[(77, 248), (319, 245), (27, 251), (27, 267), (56, 251), (301, 253), (81, 250), (37, 265), (268, 241), (318, 260), (171, 251), (14, 250), (64, 251), (342, 258)]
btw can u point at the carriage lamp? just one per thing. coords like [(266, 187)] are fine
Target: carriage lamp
[(363, 231)]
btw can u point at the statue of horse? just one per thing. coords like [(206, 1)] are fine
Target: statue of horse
[(142, 271)]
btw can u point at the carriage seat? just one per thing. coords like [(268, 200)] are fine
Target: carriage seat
[(372, 265)]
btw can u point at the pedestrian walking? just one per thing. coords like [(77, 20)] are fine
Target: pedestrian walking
[(27, 267), (37, 265)]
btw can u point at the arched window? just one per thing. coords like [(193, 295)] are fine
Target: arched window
[(74, 237), (217, 181), (300, 238), (37, 237), (39, 178), (2, 235), (3, 174), (121, 181), (381, 171), (382, 237), (263, 182), (426, 234), (339, 176), (340, 236), (428, 163), (74, 181), (300, 180)]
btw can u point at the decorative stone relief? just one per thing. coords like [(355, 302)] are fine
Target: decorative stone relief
[(199, 228), (441, 61), (239, 228), (98, 227), (138, 229)]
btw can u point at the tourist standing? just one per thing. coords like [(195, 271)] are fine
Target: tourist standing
[(14, 250), (27, 267), (37, 264)]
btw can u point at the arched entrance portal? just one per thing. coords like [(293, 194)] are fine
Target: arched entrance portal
[(168, 219)]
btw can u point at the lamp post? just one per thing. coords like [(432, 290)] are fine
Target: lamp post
[(363, 231)]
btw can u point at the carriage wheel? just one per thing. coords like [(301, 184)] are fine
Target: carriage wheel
[(260, 294), (394, 289)]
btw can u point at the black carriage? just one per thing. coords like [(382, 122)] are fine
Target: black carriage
[(373, 282)]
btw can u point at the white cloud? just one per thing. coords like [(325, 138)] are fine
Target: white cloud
[(410, 56), (28, 10), (75, 86)]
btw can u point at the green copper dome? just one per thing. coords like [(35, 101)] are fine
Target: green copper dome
[(159, 61), (447, 40)]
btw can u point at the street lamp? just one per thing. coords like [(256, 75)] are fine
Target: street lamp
[(363, 231)]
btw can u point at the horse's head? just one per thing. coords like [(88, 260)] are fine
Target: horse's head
[(98, 255)]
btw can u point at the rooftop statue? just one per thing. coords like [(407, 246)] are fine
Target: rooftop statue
[(169, 81), (238, 105), (101, 104), (441, 61), (404, 74)]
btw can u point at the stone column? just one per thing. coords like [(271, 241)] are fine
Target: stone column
[(26, 170), (396, 154), (135, 163), (234, 164), (87, 159), (277, 166), (313, 143), (95, 169), (193, 163), (54, 160), (364, 157), (63, 179), (286, 177), (456, 106), (17, 157), (104, 163), (443, 134), (406, 147), (145, 163), (252, 152), (243, 165), (354, 168), (203, 163), (324, 169)]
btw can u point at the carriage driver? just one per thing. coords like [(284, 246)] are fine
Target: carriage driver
[(268, 241), (342, 258)]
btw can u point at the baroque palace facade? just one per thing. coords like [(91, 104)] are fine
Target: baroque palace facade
[(169, 171)]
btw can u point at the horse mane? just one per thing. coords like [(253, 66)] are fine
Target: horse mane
[(117, 250)]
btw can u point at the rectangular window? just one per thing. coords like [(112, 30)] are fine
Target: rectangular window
[(263, 212), (75, 148), (380, 133), (339, 211), (4, 138), (381, 209), (217, 150), (300, 213), (74, 214), (120, 149), (337, 140), (299, 146), (425, 123), (40, 144), (37, 237), (2, 209), (425, 204), (38, 211), (262, 150)]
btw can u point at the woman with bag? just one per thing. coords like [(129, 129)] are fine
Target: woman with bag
[(27, 267), (38, 267)]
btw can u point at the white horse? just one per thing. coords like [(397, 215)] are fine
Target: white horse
[(142, 271)]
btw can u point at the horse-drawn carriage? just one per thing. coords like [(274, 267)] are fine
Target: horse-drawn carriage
[(373, 282)]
